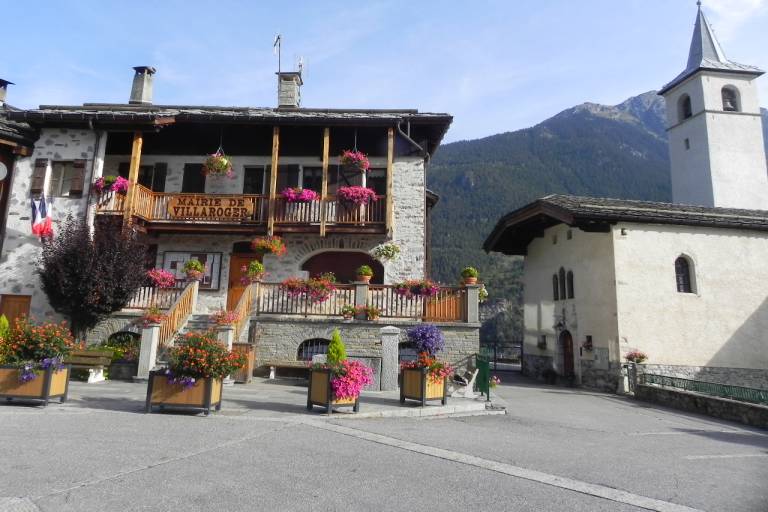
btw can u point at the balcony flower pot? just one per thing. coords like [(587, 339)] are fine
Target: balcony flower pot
[(204, 395), (470, 280), (48, 383), (470, 275), (320, 392), (363, 279), (194, 275), (415, 384)]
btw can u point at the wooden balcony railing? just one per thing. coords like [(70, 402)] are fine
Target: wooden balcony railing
[(149, 296), (273, 299), (177, 315), (240, 209)]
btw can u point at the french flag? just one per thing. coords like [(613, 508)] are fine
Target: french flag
[(42, 224)]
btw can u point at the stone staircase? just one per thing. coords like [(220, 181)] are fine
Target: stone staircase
[(197, 322)]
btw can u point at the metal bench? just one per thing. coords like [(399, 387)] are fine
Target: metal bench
[(92, 360)]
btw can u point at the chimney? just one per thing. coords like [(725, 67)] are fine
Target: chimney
[(141, 90), (289, 89), (4, 90)]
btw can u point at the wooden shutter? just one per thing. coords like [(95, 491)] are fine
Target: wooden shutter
[(38, 176), (78, 178)]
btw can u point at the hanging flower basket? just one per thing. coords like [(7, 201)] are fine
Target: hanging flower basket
[(218, 164), (269, 245), (254, 272), (116, 184), (299, 195), (416, 288), (356, 160), (356, 195)]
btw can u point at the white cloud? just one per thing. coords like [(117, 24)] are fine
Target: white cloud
[(729, 16)]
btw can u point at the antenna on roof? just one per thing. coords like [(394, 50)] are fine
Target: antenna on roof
[(276, 47)]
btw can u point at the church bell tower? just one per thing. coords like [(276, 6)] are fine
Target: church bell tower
[(715, 130)]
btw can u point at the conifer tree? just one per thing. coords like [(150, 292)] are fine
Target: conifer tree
[(336, 350)]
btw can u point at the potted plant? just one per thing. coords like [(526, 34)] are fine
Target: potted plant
[(355, 195), (425, 378), (339, 381), (364, 274), (315, 289), (299, 195), (225, 317), (269, 245), (470, 275), (386, 252), (493, 381), (116, 184), (193, 379), (152, 315), (194, 270), (353, 159), (218, 164), (31, 356), (636, 356), (416, 288), (125, 347), (371, 313), (254, 272), (348, 312), (161, 278)]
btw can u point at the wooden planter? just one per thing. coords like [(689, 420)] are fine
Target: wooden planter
[(48, 384), (415, 385), (320, 393), (244, 375), (204, 395)]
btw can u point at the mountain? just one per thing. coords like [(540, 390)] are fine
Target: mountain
[(595, 150)]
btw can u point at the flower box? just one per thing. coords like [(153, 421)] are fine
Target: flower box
[(204, 395), (47, 385), (415, 384), (320, 392)]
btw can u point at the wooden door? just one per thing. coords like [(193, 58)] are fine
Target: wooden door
[(14, 306), (235, 287), (567, 343)]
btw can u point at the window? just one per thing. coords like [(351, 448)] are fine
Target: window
[(253, 180), (309, 348), (193, 181), (569, 283), (312, 178), (377, 180), (555, 288), (62, 176), (683, 274), (730, 99), (684, 107), (687, 143), (561, 278)]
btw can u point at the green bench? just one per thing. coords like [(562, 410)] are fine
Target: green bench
[(92, 360)]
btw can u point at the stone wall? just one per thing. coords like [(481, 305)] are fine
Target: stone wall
[(278, 338), (745, 377), (598, 377), (119, 322), (732, 410), (533, 365)]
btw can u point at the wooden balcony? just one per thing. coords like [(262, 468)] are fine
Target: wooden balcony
[(159, 211)]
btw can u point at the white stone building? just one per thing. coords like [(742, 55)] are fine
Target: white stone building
[(682, 282), (160, 149)]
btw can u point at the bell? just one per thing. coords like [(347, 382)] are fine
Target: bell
[(728, 105)]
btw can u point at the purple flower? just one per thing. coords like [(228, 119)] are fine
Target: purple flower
[(426, 338), (27, 373)]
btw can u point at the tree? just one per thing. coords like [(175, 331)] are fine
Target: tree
[(336, 350), (88, 277)]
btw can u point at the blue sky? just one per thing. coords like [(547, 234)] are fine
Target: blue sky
[(495, 65)]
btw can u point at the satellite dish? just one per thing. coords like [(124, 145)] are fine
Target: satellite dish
[(3, 171)]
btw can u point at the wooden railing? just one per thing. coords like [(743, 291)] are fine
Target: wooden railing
[(243, 309), (149, 296), (178, 313), (337, 212), (296, 213), (447, 306), (110, 202), (273, 299), (143, 199)]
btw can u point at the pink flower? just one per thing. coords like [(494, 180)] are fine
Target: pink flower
[(350, 379), (356, 195), (120, 185), (299, 195), (161, 278)]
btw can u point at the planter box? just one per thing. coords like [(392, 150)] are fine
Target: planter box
[(415, 385), (48, 384), (244, 375), (204, 395), (123, 370), (320, 393)]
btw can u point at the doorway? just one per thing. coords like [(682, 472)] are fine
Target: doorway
[(344, 265), (236, 286), (566, 344), (14, 306)]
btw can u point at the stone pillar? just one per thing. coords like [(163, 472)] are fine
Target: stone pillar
[(150, 336), (472, 314), (226, 336), (361, 299), (390, 361)]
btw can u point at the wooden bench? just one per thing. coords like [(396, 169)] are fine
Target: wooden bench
[(466, 383), (92, 360)]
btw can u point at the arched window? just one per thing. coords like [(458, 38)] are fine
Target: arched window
[(730, 99), (312, 347), (684, 107), (561, 278), (555, 288), (569, 283), (684, 275)]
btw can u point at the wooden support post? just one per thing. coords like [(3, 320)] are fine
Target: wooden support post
[(324, 186), (133, 176), (390, 166), (273, 179)]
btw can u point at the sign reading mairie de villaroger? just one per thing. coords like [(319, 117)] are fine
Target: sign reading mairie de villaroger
[(213, 208)]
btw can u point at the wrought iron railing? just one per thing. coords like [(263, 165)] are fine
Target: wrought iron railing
[(759, 396)]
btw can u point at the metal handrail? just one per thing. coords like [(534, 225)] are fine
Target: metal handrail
[(744, 394)]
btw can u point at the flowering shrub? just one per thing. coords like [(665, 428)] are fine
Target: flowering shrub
[(356, 159), (218, 164), (482, 293), (426, 338), (269, 244), (349, 378), (124, 347), (299, 195), (493, 382), (635, 356), (416, 288), (356, 195), (386, 252), (315, 289), (116, 184), (161, 278), (153, 315), (436, 370), (224, 317), (31, 347), (200, 356)]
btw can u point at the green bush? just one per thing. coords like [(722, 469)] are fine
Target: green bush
[(364, 270), (5, 327), (336, 350), (469, 272)]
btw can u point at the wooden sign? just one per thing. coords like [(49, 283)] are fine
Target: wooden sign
[(210, 207)]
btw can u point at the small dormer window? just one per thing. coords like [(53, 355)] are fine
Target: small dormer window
[(685, 109), (730, 99)]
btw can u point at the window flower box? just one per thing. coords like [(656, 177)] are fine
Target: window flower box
[(417, 384), (48, 383), (203, 395)]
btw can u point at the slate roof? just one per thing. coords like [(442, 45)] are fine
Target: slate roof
[(514, 231), (15, 131), (706, 53)]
